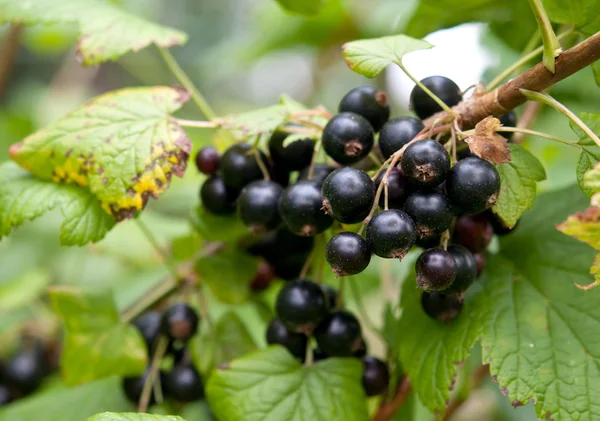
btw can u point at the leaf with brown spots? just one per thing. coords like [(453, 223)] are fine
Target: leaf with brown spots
[(488, 144), (584, 226)]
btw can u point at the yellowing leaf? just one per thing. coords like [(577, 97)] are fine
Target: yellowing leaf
[(488, 144), (584, 226)]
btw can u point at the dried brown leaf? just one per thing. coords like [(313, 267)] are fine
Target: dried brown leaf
[(488, 144)]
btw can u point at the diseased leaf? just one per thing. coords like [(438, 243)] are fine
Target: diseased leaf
[(369, 57), (24, 197), (572, 12), (121, 146), (303, 7), (590, 152), (270, 385), (488, 144), (584, 226), (133, 416), (106, 31), (591, 181)]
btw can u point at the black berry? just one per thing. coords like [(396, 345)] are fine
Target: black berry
[(294, 156), (347, 253), (376, 377), (183, 383), (473, 185), (6, 396), (481, 259), (331, 294), (320, 173), (445, 89), (216, 197), (239, 166), (133, 387), (296, 343), (26, 370), (466, 269), (440, 306), (179, 322), (361, 350), (208, 160), (258, 205), (398, 189), (300, 305), (398, 132), (265, 274), (300, 208), (339, 334), (149, 325), (431, 211), (369, 103), (348, 195), (347, 138), (279, 174), (509, 120), (425, 162), (427, 243), (473, 231), (391, 234), (436, 270)]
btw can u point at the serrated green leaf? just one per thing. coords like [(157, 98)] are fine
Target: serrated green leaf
[(132, 416), (24, 197), (271, 385), (572, 12), (590, 152), (518, 184), (303, 7), (591, 179), (261, 122), (209, 227), (106, 31), (121, 146), (370, 57), (584, 226), (20, 290)]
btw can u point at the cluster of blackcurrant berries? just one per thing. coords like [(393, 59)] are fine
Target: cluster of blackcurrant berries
[(181, 382)]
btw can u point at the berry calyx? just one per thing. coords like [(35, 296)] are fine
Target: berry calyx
[(179, 322), (183, 383), (376, 376), (294, 156), (445, 89), (466, 269), (339, 334), (347, 138), (239, 166), (436, 269), (391, 234), (425, 162), (320, 173), (348, 254), (258, 205), (348, 195), (473, 185), (398, 132), (368, 102), (208, 160), (300, 305), (431, 212), (473, 231), (216, 197), (149, 325), (300, 209), (398, 189), (265, 274), (278, 334), (441, 307)]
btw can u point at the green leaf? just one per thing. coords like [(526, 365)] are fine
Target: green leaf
[(271, 385), (370, 57), (596, 70), (590, 152), (303, 7), (572, 12), (20, 290), (106, 31), (24, 197), (591, 180), (518, 184), (196, 411), (209, 227), (261, 122), (97, 344), (121, 146), (584, 226), (132, 416)]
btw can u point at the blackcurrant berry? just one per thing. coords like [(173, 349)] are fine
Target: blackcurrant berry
[(425, 162), (294, 156), (348, 195), (466, 269), (473, 231), (339, 334), (331, 294), (509, 120), (265, 274), (149, 325), (445, 89), (300, 208), (179, 322), (183, 383), (498, 225), (181, 354), (427, 243), (376, 377), (431, 212), (290, 267), (208, 160), (391, 234), (6, 396), (347, 253), (481, 259), (441, 307), (361, 350), (398, 189), (436, 270), (296, 343), (274, 246), (473, 185), (216, 197), (347, 138), (26, 370), (300, 305), (320, 173), (258, 205), (279, 174), (398, 132), (369, 103), (133, 387), (239, 166)]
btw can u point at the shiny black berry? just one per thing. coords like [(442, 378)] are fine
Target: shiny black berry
[(376, 377), (208, 160), (347, 253), (391, 234), (398, 132), (347, 138), (436, 269), (427, 243), (149, 325), (473, 185), (362, 349), (6, 396), (466, 269), (300, 305), (331, 294), (425, 162), (431, 211), (339, 334), (320, 173), (473, 231), (509, 120), (278, 334), (133, 387), (239, 166), (348, 195), (25, 371), (183, 383), (258, 205), (441, 307), (264, 276), (294, 156), (179, 322), (445, 89), (300, 208), (216, 197), (369, 103), (398, 189)]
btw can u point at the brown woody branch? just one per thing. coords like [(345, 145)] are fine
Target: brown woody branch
[(8, 55), (389, 408)]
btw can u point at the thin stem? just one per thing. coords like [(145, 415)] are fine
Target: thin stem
[(375, 159), (361, 308), (425, 89), (169, 263), (386, 196), (308, 359), (530, 132), (528, 117), (204, 313), (161, 348), (306, 264), (183, 78), (313, 160), (307, 123), (552, 47), (155, 294), (381, 168), (340, 297), (200, 124), (387, 409), (261, 165)]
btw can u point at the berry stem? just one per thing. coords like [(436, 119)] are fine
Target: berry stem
[(528, 117), (261, 164), (308, 359), (552, 47), (425, 89), (313, 160), (200, 124), (375, 159), (527, 131), (166, 259), (161, 348), (340, 298)]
